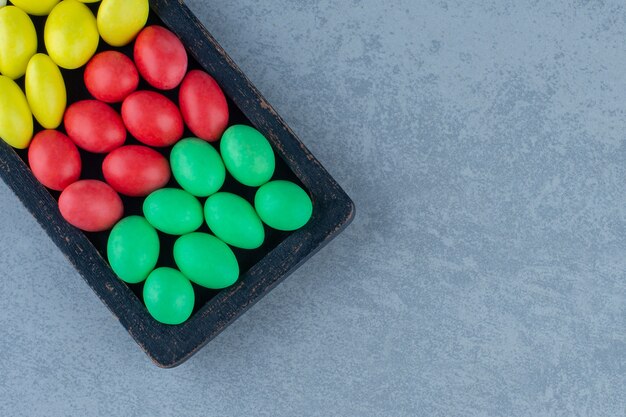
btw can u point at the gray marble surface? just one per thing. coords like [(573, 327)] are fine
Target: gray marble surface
[(483, 143)]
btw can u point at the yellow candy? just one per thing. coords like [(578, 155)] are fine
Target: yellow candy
[(71, 34), (88, 1), (16, 120), (119, 21), (36, 7), (45, 91), (18, 41)]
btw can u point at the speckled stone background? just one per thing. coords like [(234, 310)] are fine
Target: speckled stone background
[(484, 145)]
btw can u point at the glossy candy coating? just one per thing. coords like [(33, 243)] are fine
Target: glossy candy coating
[(54, 160), (94, 126), (160, 57), (203, 106), (133, 249), (169, 296), (119, 21), (136, 170), (18, 41), (247, 155), (91, 205), (173, 211), (111, 76), (283, 205), (197, 167), (152, 118), (233, 220), (71, 34), (206, 260), (45, 91), (16, 120), (36, 7)]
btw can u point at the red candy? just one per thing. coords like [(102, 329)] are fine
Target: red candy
[(203, 106), (54, 159), (136, 170), (91, 205), (94, 126), (152, 118), (160, 57), (111, 76)]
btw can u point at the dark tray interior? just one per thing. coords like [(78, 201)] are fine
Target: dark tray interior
[(92, 167)]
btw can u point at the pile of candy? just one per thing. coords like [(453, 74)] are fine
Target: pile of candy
[(199, 165)]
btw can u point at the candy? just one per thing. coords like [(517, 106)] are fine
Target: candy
[(54, 160), (136, 171), (152, 118), (248, 156), (233, 219), (197, 167), (206, 260), (283, 205), (168, 296), (173, 211), (119, 21), (133, 249), (94, 126), (71, 34), (160, 57), (16, 120), (45, 91), (18, 41), (111, 76), (36, 7), (203, 106), (91, 205)]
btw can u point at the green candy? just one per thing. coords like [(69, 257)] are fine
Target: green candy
[(198, 167), (173, 211), (248, 155), (133, 249), (233, 219), (169, 296), (283, 205), (206, 260)]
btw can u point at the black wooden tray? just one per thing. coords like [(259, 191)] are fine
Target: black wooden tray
[(262, 270)]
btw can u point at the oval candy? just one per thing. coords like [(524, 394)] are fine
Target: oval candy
[(160, 57), (169, 296), (71, 34), (197, 167), (247, 155), (283, 205), (91, 205), (119, 21), (54, 160), (18, 41), (233, 220), (94, 126), (136, 170), (206, 260), (152, 118), (45, 91), (173, 211), (133, 249), (203, 105), (16, 120), (111, 76), (36, 7)]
